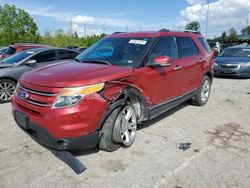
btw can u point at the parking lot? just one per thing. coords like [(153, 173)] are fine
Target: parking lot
[(219, 155)]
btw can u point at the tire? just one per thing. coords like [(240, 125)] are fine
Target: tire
[(119, 129), (7, 88), (203, 93), (106, 143)]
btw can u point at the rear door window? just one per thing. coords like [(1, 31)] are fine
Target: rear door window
[(205, 44), (66, 54), (186, 47), (45, 56)]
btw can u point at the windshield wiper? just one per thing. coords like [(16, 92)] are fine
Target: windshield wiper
[(98, 61), (76, 60)]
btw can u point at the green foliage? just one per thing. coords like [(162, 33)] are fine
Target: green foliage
[(62, 40), (245, 31), (193, 26), (223, 36), (232, 34), (16, 26)]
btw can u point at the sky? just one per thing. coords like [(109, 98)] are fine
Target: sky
[(95, 17)]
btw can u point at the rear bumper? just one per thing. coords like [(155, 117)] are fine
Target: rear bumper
[(241, 72), (43, 137)]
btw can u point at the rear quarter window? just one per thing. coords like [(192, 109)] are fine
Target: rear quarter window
[(204, 44), (186, 47), (66, 54), (10, 51)]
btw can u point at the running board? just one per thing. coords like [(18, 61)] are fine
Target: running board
[(69, 159)]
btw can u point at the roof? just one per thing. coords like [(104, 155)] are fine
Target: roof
[(26, 45)]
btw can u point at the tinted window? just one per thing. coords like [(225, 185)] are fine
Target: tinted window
[(165, 47), (66, 54), (186, 47), (10, 51), (17, 57), (45, 56), (205, 44)]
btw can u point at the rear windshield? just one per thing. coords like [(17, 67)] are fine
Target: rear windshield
[(10, 51), (244, 52), (17, 57)]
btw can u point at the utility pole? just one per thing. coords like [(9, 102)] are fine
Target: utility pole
[(247, 20), (207, 17), (84, 29), (70, 30)]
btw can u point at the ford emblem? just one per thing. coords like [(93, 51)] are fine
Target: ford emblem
[(23, 95)]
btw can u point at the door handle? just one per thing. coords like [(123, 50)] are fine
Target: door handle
[(178, 68)]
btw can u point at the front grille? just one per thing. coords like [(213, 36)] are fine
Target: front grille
[(37, 92), (229, 66), (31, 94)]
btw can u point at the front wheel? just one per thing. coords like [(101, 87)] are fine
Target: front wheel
[(119, 129), (7, 88), (203, 92)]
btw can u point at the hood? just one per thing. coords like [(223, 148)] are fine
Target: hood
[(75, 74), (232, 60), (4, 65)]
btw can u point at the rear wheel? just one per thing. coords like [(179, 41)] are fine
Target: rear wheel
[(203, 92), (7, 88), (119, 129)]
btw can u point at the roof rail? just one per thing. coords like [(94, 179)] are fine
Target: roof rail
[(164, 30), (187, 31), (117, 32)]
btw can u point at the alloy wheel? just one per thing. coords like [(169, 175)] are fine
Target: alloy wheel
[(205, 91), (6, 90), (125, 126)]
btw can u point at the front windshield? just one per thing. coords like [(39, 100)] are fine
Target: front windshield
[(236, 53), (17, 57), (115, 51)]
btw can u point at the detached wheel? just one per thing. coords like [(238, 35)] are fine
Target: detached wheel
[(7, 88), (119, 129), (203, 92)]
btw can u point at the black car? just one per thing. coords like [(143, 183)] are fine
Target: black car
[(14, 66)]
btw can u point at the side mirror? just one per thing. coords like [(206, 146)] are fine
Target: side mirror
[(160, 61), (30, 61)]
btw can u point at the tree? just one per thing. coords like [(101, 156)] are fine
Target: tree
[(246, 31), (232, 34), (75, 34), (193, 26), (223, 36), (16, 26)]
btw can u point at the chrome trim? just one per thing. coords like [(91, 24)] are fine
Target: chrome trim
[(31, 102), (35, 92)]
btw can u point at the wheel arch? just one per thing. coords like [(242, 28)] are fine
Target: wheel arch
[(8, 78)]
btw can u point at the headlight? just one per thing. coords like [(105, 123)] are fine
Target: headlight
[(245, 64), (216, 64), (71, 96)]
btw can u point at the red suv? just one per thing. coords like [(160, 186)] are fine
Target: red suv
[(18, 47), (104, 93)]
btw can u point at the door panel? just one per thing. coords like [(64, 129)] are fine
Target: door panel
[(160, 84), (189, 58)]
